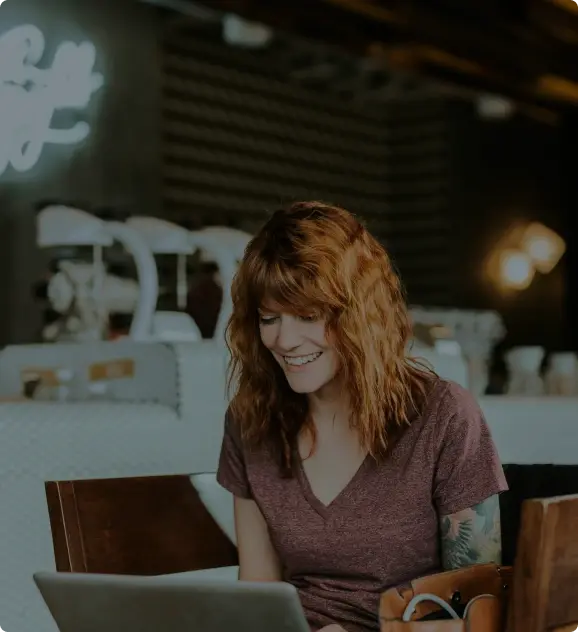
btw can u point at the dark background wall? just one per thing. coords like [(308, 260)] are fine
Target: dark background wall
[(569, 135), (241, 137), (117, 166), (504, 173)]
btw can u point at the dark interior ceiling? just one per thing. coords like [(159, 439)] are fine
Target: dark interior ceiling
[(526, 50)]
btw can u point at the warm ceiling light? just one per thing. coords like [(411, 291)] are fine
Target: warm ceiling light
[(515, 269), (544, 247)]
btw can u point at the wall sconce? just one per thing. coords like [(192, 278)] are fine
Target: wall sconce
[(522, 253), (543, 246), (516, 269)]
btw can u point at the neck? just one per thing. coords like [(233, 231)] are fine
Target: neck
[(329, 404)]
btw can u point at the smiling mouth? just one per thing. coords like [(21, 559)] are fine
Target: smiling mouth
[(302, 360)]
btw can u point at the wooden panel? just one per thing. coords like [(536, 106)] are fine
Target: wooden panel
[(545, 588), (134, 526)]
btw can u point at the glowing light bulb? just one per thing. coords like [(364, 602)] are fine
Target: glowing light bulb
[(543, 246), (516, 269)]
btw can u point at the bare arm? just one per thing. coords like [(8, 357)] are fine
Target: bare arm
[(472, 536), (258, 560)]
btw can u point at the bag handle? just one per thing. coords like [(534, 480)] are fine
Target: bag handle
[(411, 606)]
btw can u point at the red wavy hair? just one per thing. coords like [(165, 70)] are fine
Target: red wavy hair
[(314, 258)]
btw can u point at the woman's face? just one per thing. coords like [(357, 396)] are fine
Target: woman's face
[(300, 346)]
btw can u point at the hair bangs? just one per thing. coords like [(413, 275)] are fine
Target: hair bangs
[(290, 288)]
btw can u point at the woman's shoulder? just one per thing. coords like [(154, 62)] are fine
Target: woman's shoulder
[(445, 398), (452, 415), (450, 408), (252, 449)]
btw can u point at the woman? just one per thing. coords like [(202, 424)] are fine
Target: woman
[(353, 468)]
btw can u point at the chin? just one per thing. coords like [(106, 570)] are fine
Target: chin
[(303, 389), (306, 386)]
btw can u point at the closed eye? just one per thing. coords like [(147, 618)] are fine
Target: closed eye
[(267, 320)]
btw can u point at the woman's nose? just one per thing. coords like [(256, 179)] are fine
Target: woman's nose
[(289, 334)]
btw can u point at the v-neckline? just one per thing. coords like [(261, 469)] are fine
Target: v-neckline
[(322, 509)]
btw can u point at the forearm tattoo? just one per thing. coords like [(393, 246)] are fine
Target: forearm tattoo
[(472, 536)]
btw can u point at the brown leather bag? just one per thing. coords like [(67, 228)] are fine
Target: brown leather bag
[(484, 585)]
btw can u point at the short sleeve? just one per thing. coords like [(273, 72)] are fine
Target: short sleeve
[(232, 471), (468, 469)]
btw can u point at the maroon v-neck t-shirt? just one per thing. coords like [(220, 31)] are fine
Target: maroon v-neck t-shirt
[(382, 529)]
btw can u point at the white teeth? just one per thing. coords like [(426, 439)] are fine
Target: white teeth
[(302, 359)]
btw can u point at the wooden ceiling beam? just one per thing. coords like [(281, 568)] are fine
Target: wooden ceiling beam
[(556, 22), (507, 48), (532, 37), (445, 70), (512, 59), (566, 5), (547, 91), (356, 24)]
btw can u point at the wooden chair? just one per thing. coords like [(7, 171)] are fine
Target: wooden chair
[(545, 585), (134, 526)]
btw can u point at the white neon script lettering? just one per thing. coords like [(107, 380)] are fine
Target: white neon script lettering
[(29, 96)]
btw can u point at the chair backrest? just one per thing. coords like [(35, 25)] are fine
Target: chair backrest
[(528, 482), (149, 525), (545, 586)]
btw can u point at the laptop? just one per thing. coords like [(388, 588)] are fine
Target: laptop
[(82, 602)]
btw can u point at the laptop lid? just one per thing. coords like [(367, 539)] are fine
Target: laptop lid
[(82, 602)]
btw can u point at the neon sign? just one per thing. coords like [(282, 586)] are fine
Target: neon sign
[(30, 96)]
